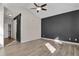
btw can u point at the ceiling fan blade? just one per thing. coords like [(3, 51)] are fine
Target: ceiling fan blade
[(35, 4), (43, 5), (33, 8), (44, 9)]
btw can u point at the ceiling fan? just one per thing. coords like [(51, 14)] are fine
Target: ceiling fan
[(39, 8)]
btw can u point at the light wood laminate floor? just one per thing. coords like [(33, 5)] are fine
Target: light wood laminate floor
[(7, 41), (38, 48)]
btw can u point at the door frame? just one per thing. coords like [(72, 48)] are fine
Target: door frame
[(18, 25)]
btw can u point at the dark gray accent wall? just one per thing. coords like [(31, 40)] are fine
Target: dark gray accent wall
[(64, 26)]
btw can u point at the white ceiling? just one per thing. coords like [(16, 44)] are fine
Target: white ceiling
[(52, 8)]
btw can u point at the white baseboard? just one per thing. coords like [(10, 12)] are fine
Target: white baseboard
[(29, 40), (61, 41)]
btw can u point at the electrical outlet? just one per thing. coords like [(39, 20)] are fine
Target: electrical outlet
[(43, 35), (69, 38), (75, 39)]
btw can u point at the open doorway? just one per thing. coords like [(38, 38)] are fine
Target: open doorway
[(8, 37), (17, 27), (8, 32)]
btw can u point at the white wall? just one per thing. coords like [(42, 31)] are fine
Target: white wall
[(1, 25), (14, 29), (5, 30), (30, 24), (30, 27), (7, 20)]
